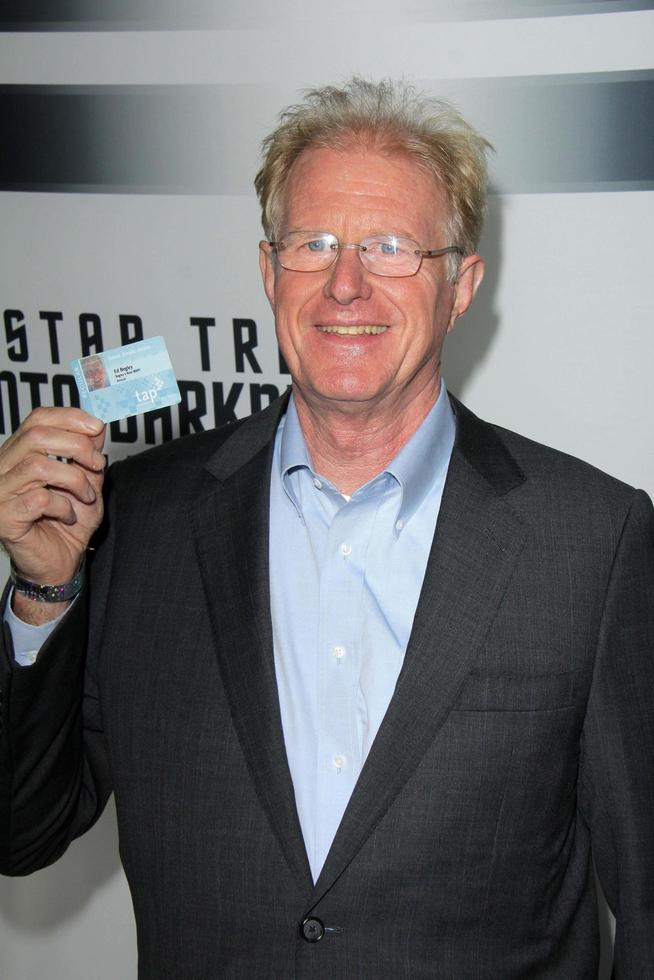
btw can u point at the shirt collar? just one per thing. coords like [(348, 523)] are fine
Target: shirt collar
[(293, 450), (292, 454), (419, 464), (425, 458)]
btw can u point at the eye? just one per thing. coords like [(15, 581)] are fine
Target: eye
[(387, 246), (317, 245)]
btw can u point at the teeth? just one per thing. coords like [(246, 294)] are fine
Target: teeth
[(352, 329)]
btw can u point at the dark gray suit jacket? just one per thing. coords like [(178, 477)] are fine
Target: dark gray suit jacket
[(520, 733)]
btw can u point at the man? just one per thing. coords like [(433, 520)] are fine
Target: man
[(370, 678), (94, 371)]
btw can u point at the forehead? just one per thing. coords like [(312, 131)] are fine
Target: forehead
[(361, 190)]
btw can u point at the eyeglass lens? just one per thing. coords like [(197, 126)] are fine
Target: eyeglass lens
[(384, 255)]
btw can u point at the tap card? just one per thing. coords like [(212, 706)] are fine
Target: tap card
[(126, 380)]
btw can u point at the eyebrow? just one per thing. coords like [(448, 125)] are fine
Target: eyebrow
[(369, 234)]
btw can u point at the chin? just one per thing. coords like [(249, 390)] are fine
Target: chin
[(348, 393)]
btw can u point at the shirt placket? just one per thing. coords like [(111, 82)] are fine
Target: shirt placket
[(341, 616)]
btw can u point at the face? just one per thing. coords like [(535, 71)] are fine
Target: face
[(95, 374), (355, 194)]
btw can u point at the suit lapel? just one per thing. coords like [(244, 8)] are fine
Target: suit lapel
[(231, 532), (474, 552)]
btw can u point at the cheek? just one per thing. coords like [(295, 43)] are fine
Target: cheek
[(417, 305), (292, 299), (415, 292)]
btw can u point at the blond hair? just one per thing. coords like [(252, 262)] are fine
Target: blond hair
[(391, 117)]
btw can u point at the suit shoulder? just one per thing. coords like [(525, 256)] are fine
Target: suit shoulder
[(185, 452), (170, 461), (538, 476), (180, 460), (547, 464), (576, 507), (580, 501)]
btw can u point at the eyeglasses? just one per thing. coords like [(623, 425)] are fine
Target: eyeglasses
[(384, 255)]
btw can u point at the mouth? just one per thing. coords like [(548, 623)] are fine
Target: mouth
[(352, 329)]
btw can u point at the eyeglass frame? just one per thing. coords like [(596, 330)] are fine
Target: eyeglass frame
[(336, 247)]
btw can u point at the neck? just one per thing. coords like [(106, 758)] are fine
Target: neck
[(350, 444)]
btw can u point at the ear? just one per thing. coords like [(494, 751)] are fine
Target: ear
[(267, 267), (471, 273)]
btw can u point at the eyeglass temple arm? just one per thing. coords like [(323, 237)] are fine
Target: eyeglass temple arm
[(431, 253)]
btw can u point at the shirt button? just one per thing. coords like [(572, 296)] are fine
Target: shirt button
[(339, 652), (317, 484), (345, 549), (399, 525), (339, 762)]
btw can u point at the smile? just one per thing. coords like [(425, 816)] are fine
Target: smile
[(352, 330)]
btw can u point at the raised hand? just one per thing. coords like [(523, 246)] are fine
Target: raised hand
[(48, 508)]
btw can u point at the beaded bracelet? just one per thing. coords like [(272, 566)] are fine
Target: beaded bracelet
[(49, 593)]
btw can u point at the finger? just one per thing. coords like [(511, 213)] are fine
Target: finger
[(66, 419), (95, 479), (21, 513), (37, 470), (98, 440), (71, 419), (51, 441)]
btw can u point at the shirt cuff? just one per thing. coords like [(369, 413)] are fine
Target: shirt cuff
[(27, 639)]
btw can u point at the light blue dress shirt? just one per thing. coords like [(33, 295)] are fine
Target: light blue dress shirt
[(27, 639), (345, 576)]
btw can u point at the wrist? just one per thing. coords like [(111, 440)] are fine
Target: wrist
[(37, 592), (35, 613)]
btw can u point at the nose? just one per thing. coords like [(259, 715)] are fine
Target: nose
[(348, 280)]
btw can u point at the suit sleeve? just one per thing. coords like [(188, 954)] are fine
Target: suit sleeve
[(617, 760), (54, 775)]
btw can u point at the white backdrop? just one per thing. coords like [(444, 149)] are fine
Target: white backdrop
[(132, 204)]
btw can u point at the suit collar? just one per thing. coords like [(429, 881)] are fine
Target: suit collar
[(479, 443), (476, 440), (249, 437)]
